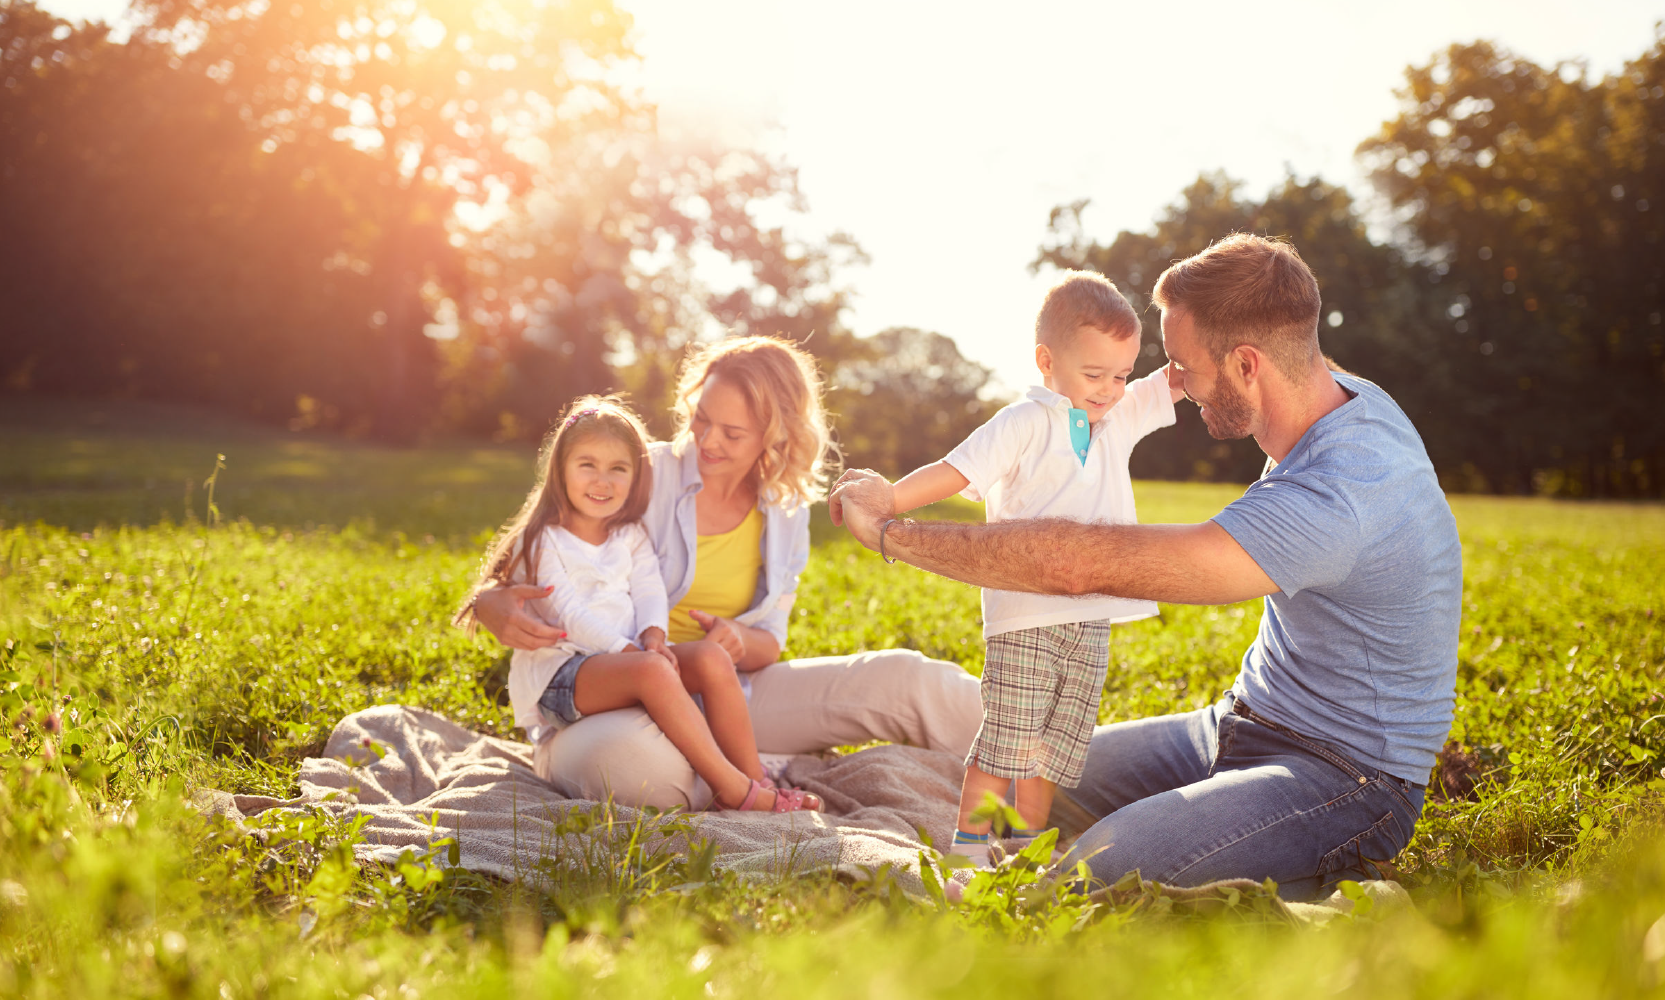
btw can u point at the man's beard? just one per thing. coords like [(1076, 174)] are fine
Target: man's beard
[(1226, 413)]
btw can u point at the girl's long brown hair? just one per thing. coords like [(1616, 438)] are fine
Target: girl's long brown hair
[(513, 553)]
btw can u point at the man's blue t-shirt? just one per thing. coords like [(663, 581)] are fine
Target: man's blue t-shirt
[(1359, 646)]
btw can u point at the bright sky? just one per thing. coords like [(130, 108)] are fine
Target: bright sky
[(940, 134)]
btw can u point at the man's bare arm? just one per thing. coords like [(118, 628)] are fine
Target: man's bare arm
[(1175, 563)]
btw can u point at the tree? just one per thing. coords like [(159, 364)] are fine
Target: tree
[(1538, 192), (905, 398), (257, 204), (151, 248), (1373, 318)]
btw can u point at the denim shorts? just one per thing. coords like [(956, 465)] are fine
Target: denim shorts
[(556, 702)]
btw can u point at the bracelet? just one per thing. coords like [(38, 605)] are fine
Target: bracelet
[(882, 528)]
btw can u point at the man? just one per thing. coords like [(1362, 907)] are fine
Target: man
[(1314, 764)]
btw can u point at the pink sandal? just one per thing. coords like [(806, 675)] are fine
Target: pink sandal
[(786, 799)]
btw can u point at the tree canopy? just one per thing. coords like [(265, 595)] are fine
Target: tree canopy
[(392, 217), (379, 216), (1515, 309)]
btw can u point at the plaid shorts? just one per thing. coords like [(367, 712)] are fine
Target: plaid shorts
[(1041, 688)]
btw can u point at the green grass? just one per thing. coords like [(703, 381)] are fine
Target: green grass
[(179, 654)]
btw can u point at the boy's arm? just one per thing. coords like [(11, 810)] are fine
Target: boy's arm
[(1148, 405), (927, 485)]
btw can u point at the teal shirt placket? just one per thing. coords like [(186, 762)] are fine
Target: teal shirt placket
[(1081, 434)]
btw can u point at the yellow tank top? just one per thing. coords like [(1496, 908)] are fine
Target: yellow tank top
[(725, 577)]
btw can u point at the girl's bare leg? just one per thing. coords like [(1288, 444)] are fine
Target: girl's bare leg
[(708, 672), (620, 680)]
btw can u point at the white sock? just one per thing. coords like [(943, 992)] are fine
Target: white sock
[(974, 846)]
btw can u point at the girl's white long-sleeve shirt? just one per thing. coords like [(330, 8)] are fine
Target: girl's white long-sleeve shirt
[(605, 596)]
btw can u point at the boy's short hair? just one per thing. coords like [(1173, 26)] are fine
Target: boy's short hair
[(1083, 298), (1247, 289)]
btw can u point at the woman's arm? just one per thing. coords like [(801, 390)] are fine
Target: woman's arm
[(767, 632), (762, 649), (501, 610)]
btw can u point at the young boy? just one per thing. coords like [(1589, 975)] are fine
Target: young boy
[(1060, 452)]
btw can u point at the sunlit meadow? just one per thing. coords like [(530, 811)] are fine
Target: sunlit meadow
[(152, 649)]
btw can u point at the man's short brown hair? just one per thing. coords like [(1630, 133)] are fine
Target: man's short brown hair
[(1083, 298), (1247, 289)]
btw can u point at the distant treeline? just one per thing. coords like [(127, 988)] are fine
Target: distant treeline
[(1516, 311), (370, 220)]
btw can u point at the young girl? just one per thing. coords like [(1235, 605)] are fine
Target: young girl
[(579, 535)]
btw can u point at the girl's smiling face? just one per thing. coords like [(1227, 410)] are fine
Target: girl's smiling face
[(598, 471), (1091, 368), (726, 434)]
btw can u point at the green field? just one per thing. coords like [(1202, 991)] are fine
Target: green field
[(149, 651)]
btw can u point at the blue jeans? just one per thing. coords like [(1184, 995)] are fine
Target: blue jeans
[(1222, 793)]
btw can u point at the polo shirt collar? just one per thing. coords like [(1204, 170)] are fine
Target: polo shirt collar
[(1041, 394), (1081, 434)]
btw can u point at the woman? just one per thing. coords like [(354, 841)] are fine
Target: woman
[(729, 518)]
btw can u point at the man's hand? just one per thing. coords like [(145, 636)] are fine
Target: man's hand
[(862, 500), (722, 632), (501, 611)]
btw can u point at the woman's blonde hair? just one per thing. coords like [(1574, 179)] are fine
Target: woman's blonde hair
[(516, 544), (782, 388)]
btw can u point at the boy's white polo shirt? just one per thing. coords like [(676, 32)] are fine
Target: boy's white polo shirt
[(1022, 465)]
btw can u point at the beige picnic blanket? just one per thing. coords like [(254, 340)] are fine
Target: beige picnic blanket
[(504, 818), (435, 779)]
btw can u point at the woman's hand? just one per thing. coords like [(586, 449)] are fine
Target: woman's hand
[(501, 610), (723, 632)]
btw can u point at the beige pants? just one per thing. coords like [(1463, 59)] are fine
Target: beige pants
[(797, 706)]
